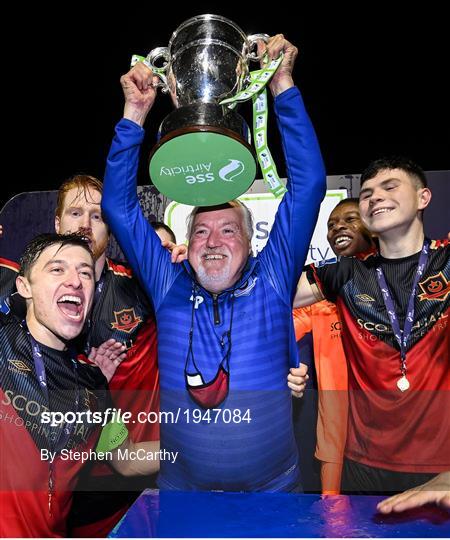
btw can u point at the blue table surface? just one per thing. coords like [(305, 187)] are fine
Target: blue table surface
[(211, 514)]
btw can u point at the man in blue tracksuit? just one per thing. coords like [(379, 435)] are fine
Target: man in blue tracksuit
[(225, 334)]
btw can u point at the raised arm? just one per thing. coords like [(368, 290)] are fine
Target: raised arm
[(120, 203), (285, 252)]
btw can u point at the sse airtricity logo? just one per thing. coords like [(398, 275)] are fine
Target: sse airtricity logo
[(230, 171)]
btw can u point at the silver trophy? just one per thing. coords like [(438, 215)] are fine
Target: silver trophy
[(204, 155)]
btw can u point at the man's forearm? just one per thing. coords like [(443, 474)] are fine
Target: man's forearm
[(119, 198), (120, 203)]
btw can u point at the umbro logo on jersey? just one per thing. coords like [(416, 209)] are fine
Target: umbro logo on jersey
[(126, 320), (18, 366), (365, 298), (435, 287)]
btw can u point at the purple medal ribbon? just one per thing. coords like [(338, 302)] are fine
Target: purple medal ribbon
[(403, 336), (68, 429)]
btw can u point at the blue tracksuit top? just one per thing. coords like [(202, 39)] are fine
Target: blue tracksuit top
[(248, 444)]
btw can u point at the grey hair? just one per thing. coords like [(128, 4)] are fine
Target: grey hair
[(235, 203)]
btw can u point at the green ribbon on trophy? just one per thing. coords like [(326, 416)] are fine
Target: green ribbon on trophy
[(257, 92)]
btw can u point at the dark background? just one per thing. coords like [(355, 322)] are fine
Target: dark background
[(374, 82)]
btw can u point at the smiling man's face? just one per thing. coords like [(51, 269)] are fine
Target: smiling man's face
[(59, 291), (346, 232), (219, 248), (390, 200)]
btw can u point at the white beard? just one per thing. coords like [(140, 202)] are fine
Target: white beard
[(213, 280)]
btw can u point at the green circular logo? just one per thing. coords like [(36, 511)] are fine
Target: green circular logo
[(202, 169)]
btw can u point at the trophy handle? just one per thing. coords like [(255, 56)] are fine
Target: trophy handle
[(252, 43), (152, 57)]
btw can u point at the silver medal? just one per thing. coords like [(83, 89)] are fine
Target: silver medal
[(403, 384)]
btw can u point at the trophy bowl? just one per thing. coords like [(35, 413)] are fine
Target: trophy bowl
[(204, 154)]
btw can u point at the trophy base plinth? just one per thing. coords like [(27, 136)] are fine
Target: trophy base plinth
[(202, 164)]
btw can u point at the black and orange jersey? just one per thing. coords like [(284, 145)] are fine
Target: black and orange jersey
[(401, 431)]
